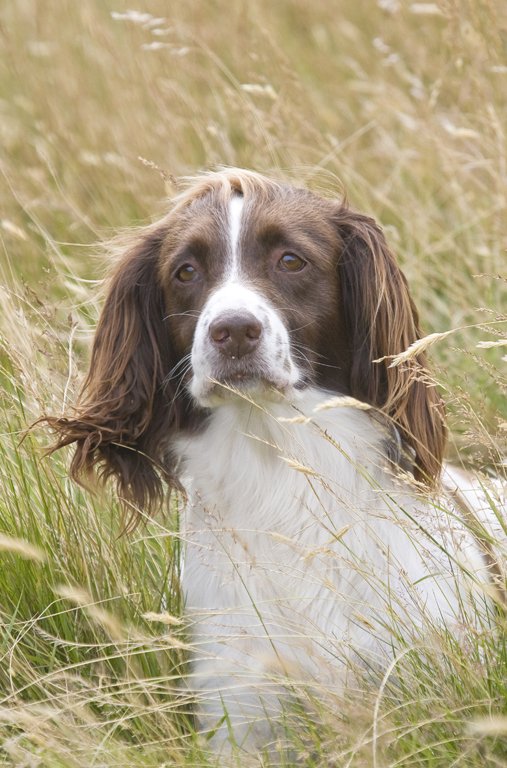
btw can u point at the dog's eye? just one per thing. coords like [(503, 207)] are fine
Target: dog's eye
[(291, 263), (187, 274)]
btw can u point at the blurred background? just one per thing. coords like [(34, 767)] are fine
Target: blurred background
[(399, 105)]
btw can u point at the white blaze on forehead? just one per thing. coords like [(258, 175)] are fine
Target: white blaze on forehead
[(235, 213)]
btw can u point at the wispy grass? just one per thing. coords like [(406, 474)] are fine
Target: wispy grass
[(401, 104)]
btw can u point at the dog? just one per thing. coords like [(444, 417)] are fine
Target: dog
[(244, 356)]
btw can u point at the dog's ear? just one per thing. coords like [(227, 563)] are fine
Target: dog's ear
[(128, 406), (381, 321)]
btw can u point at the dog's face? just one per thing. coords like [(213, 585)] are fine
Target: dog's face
[(254, 285), (251, 290)]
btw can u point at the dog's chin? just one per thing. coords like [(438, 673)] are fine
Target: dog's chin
[(240, 388)]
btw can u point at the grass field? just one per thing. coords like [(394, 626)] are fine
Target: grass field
[(401, 105)]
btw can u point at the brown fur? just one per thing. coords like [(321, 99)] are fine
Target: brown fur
[(382, 321), (128, 405)]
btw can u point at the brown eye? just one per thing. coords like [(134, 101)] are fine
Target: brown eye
[(187, 274), (291, 263)]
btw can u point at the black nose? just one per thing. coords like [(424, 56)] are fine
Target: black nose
[(235, 334)]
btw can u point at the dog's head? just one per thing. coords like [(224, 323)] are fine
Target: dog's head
[(254, 285)]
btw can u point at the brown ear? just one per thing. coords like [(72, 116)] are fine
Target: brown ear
[(128, 405), (381, 320)]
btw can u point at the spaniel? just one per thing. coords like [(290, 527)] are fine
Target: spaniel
[(244, 357)]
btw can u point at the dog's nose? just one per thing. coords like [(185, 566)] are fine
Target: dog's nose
[(235, 334)]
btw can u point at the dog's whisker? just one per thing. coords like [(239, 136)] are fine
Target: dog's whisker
[(188, 313)]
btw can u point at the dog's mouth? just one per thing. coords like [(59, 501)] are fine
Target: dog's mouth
[(244, 385), (246, 382), (252, 377)]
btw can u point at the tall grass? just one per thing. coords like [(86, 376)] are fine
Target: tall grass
[(402, 105)]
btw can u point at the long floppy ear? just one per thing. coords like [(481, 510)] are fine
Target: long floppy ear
[(381, 320), (128, 405)]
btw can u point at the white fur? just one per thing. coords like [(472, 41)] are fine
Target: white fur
[(273, 357), (300, 545), (235, 212)]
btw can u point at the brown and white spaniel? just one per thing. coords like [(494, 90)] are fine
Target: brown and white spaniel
[(243, 355)]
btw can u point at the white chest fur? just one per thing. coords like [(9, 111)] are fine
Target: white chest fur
[(299, 544)]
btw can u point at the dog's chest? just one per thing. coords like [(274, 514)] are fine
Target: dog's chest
[(253, 470), (266, 507), (286, 528)]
